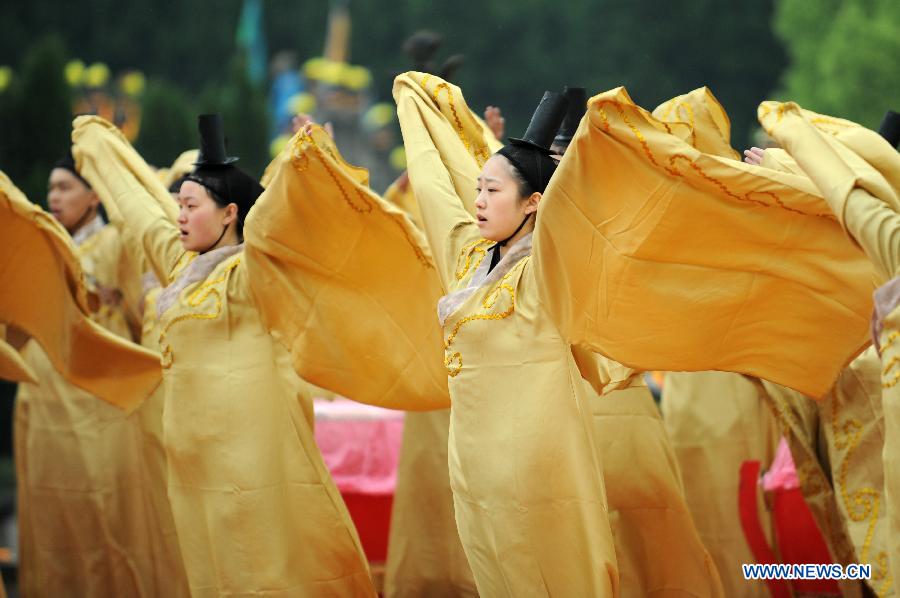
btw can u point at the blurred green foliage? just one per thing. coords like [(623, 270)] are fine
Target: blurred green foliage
[(843, 56), (35, 117)]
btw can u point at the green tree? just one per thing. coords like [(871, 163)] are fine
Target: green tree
[(843, 56), (168, 124), (37, 118)]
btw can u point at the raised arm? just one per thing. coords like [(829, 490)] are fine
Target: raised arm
[(857, 171), (663, 257), (446, 146), (42, 293), (136, 201), (345, 280)]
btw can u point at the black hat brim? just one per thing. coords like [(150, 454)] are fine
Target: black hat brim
[(525, 143), (228, 160)]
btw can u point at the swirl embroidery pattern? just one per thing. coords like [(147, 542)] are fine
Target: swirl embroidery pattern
[(890, 364), (753, 197), (195, 299), (863, 504), (477, 248), (453, 360), (479, 151), (359, 202)]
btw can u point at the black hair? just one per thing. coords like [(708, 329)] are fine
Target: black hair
[(525, 188)]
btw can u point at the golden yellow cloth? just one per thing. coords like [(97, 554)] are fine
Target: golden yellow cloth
[(172, 579), (40, 264), (405, 200), (716, 421), (12, 366), (528, 491), (84, 524), (352, 329), (836, 444), (858, 172), (640, 231), (648, 511), (699, 119), (425, 556), (254, 506), (183, 164)]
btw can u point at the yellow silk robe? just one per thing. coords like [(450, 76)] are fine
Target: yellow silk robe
[(425, 556), (83, 524), (858, 173), (645, 497), (254, 506), (12, 366), (639, 230), (836, 445), (528, 491), (716, 421), (41, 264), (648, 510)]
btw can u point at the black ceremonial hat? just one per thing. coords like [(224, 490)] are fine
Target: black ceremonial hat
[(544, 122), (890, 127), (577, 98), (212, 141), (531, 154)]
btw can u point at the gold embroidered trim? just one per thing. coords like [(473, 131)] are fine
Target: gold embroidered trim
[(890, 382), (677, 105), (674, 171), (453, 361), (480, 152), (194, 299), (863, 504), (478, 247), (300, 161)]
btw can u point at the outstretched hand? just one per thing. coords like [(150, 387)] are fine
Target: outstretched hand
[(305, 121), (754, 156), (495, 121)]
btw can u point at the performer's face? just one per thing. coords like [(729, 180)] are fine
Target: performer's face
[(200, 219), (499, 207), (70, 201)]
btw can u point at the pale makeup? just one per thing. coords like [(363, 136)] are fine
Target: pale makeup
[(499, 209), (201, 220)]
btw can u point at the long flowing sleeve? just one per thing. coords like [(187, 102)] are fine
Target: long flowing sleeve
[(856, 170), (446, 146), (663, 257), (346, 281), (12, 366), (699, 119), (42, 293), (136, 201)]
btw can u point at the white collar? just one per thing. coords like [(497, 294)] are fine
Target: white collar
[(484, 276)]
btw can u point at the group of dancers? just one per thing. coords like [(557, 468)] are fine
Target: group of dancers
[(509, 296)]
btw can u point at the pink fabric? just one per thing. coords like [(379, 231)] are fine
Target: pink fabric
[(782, 474), (360, 445)]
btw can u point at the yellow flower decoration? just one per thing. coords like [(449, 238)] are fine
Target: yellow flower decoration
[(133, 83), (356, 78), (96, 75), (74, 72), (6, 76), (397, 158), (379, 115), (302, 103), (278, 144)]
